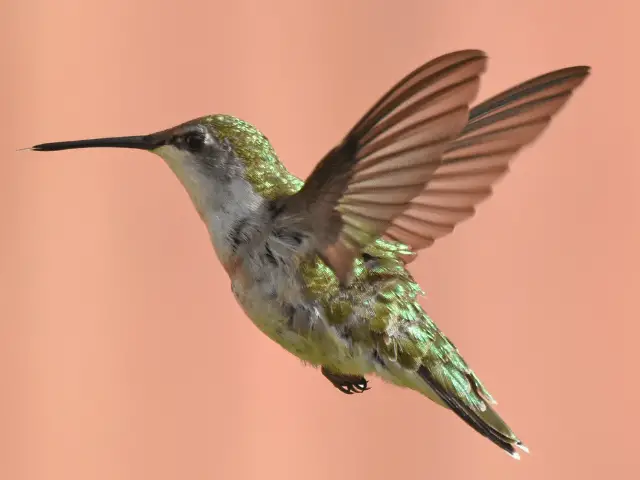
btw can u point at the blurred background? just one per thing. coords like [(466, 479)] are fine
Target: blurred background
[(123, 355)]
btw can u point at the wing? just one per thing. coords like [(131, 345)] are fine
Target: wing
[(497, 130), (355, 193)]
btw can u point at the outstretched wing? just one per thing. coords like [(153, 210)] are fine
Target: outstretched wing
[(358, 190), (497, 130)]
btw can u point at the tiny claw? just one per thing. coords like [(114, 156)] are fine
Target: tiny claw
[(348, 384), (360, 387), (344, 389)]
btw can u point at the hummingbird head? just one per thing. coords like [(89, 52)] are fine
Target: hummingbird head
[(208, 155)]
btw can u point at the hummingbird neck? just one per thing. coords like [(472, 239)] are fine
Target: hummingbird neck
[(233, 183), (229, 206)]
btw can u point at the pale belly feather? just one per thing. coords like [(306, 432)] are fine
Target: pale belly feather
[(300, 327)]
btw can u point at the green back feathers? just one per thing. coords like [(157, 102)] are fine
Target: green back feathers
[(264, 171), (384, 292)]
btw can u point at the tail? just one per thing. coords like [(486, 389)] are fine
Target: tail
[(483, 419), (420, 357)]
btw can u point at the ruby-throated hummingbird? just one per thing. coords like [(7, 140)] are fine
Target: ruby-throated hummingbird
[(319, 266)]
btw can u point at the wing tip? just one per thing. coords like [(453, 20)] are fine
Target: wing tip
[(470, 52), (582, 69), (580, 72)]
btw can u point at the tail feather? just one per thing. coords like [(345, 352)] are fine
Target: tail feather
[(487, 422)]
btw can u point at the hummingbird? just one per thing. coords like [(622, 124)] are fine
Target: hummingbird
[(320, 266)]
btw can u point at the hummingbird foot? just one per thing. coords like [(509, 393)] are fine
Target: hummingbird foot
[(348, 384)]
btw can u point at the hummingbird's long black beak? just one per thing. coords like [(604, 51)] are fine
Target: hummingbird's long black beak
[(141, 142)]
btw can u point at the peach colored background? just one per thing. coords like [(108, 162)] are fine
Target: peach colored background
[(123, 354)]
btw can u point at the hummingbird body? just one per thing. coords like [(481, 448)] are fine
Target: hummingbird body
[(320, 266), (285, 288)]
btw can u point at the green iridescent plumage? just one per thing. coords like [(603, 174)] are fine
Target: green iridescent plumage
[(382, 291), (269, 177)]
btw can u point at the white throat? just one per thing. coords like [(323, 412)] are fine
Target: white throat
[(221, 203)]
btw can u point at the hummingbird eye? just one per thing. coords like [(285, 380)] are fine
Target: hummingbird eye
[(194, 141)]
